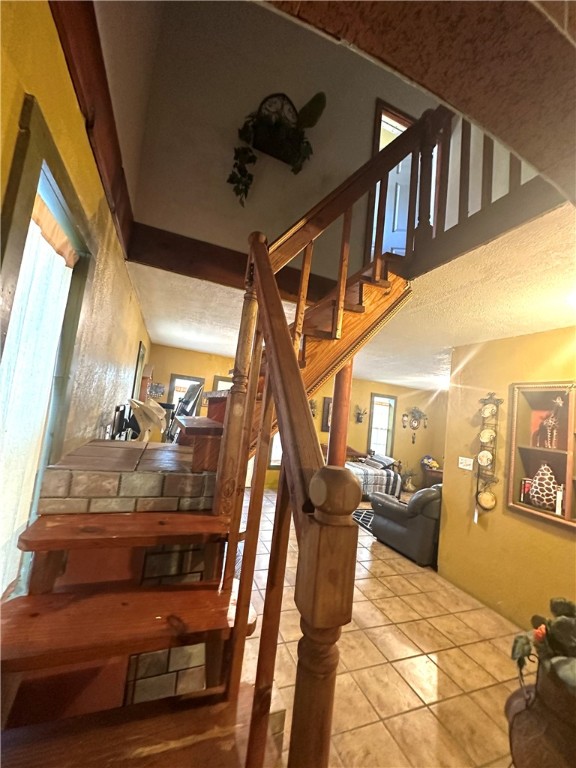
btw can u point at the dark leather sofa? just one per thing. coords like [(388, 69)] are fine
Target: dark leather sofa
[(413, 528)]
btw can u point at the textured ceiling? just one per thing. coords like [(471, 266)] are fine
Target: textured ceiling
[(521, 283)]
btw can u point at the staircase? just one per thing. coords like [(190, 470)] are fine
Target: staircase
[(53, 624)]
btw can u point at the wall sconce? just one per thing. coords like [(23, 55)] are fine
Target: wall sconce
[(359, 413), (413, 418), (313, 408)]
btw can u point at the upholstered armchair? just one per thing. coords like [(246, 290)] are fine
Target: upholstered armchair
[(413, 528)]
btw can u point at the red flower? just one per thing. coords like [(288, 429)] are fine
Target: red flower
[(540, 633)]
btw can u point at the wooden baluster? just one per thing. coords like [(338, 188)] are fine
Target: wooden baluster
[(302, 293), (423, 233), (270, 626), (338, 437), (377, 272), (412, 205), (464, 191), (338, 313), (251, 539), (442, 172), (228, 494), (324, 591), (487, 171), (515, 173)]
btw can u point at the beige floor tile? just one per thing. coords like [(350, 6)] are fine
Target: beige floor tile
[(493, 699), (364, 556), (361, 572), (261, 562), (290, 576), (454, 629), (487, 623), (357, 651), (504, 645), (425, 605), (426, 636), (351, 707), (366, 614), (403, 566), (379, 568), (494, 661), (370, 747), (429, 682), (399, 585), (426, 742), (386, 690), (290, 626), (292, 560), (285, 667), (358, 595), (260, 579), (425, 582), (472, 728), (288, 603), (257, 601), (393, 643), (373, 588), (262, 548), (397, 609), (350, 627), (454, 599), (462, 669), (250, 660)]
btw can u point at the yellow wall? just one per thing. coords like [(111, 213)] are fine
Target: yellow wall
[(169, 360), (428, 441), (111, 324), (509, 561)]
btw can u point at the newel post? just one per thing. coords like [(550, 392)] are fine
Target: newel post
[(324, 592)]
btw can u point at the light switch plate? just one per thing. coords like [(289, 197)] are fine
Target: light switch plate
[(465, 463)]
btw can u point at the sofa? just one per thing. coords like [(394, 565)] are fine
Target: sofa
[(411, 529)]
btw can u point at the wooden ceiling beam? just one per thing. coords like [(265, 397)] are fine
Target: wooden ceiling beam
[(186, 256)]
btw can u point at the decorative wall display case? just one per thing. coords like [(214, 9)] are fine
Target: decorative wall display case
[(541, 471)]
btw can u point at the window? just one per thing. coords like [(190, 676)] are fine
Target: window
[(222, 382), (381, 428), (275, 451)]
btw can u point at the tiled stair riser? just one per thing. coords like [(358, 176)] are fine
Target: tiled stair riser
[(76, 491)]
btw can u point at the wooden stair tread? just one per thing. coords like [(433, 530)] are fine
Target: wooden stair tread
[(199, 425), (170, 732), (129, 529), (64, 628)]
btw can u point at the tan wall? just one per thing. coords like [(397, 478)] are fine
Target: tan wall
[(111, 323), (511, 562)]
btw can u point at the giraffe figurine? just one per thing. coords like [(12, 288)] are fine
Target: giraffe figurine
[(547, 433)]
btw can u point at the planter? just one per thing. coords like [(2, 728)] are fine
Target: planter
[(542, 730)]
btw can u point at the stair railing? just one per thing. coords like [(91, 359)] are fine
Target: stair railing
[(322, 500)]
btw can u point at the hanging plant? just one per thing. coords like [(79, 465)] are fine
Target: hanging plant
[(276, 129)]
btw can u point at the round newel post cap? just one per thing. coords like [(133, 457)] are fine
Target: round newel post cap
[(256, 237), (335, 493)]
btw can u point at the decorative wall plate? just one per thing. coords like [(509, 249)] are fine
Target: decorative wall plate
[(486, 499), (488, 410), (485, 458), (487, 435)]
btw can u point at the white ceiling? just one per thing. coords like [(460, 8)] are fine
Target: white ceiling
[(522, 283)]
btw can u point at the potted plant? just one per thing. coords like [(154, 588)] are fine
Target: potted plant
[(542, 717), (277, 129)]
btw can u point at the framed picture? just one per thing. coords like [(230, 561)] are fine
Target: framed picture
[(326, 414), (138, 371)]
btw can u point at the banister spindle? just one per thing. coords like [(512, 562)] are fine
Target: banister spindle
[(302, 294), (442, 173), (410, 225), (379, 239), (464, 191), (423, 233), (338, 314), (487, 170)]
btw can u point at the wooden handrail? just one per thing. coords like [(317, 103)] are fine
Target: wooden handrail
[(334, 205)]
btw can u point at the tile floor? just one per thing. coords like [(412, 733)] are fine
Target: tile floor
[(424, 668)]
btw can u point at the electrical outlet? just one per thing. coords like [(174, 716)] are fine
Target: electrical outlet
[(465, 463), (108, 432)]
